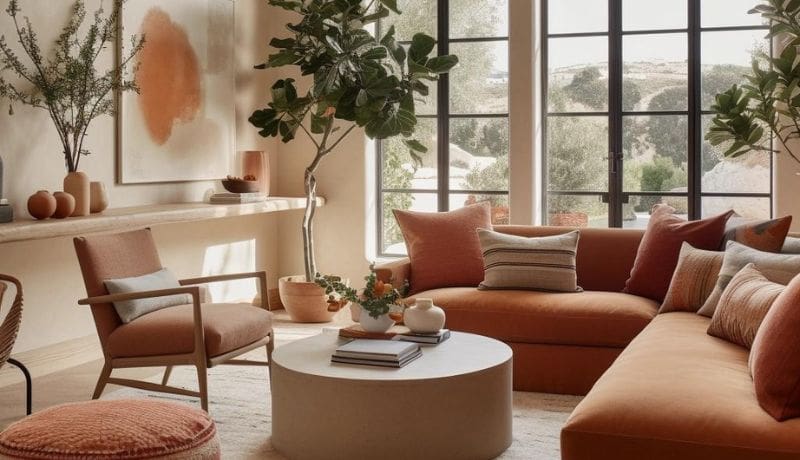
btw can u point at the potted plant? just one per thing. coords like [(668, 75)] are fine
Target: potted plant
[(68, 83), (380, 303), (359, 81), (770, 99)]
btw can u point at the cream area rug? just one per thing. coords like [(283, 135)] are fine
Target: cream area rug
[(239, 403)]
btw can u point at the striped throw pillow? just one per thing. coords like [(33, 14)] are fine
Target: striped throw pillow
[(544, 263)]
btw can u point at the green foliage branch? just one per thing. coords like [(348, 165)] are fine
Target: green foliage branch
[(358, 80), (377, 298), (771, 97), (68, 84)]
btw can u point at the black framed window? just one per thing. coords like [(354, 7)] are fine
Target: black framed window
[(463, 122), (627, 95)]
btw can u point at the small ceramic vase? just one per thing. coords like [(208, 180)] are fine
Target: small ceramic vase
[(41, 205), (77, 184), (424, 317), (98, 197), (256, 163), (65, 205), (380, 324)]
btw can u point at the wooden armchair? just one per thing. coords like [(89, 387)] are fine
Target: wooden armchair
[(197, 334)]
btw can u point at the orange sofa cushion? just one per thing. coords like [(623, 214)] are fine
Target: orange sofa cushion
[(661, 245), (590, 318), (171, 330), (775, 357), (677, 393)]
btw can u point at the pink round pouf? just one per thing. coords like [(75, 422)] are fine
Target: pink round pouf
[(124, 429)]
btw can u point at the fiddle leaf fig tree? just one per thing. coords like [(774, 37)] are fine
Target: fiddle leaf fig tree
[(359, 80), (771, 97)]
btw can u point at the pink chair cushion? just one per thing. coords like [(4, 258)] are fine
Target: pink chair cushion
[(124, 429)]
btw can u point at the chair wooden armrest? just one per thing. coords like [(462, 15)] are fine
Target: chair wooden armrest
[(260, 275)]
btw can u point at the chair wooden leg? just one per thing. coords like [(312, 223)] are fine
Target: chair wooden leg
[(202, 381), (270, 347), (167, 373), (102, 380)]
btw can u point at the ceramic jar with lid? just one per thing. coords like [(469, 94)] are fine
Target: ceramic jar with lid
[(424, 317)]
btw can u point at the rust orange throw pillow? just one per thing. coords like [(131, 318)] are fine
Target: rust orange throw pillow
[(764, 235), (661, 245), (774, 356), (443, 247)]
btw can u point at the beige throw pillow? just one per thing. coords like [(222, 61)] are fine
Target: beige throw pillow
[(778, 268), (544, 263), (743, 305), (694, 279)]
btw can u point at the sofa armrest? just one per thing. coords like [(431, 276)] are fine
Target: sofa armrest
[(396, 271)]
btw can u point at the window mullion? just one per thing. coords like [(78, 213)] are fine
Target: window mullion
[(695, 121), (443, 107)]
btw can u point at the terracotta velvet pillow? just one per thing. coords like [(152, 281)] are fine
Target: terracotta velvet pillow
[(774, 356), (661, 245), (443, 247)]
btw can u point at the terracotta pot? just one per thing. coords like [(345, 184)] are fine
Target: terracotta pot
[(65, 205), (256, 163), (305, 302), (77, 185), (41, 204), (569, 219), (98, 197)]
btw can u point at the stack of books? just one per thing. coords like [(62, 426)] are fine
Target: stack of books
[(434, 338), (237, 198), (386, 353)]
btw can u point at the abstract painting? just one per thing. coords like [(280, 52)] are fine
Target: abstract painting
[(181, 124)]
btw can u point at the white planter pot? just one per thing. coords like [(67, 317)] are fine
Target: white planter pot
[(380, 324)]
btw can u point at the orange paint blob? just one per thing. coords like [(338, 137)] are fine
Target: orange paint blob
[(168, 76)]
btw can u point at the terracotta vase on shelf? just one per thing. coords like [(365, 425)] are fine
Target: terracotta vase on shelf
[(77, 184), (41, 205), (98, 197), (256, 163), (65, 205)]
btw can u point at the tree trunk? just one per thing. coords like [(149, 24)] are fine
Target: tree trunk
[(309, 260)]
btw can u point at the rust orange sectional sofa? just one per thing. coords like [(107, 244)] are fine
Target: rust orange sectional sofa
[(668, 390)]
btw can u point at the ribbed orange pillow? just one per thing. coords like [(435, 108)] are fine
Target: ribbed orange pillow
[(443, 247), (774, 361), (661, 245)]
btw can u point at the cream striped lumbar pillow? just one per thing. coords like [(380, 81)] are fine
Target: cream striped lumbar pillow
[(545, 263)]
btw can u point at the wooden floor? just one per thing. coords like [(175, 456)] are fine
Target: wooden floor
[(77, 383)]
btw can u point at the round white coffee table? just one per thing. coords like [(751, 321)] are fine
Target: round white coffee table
[(453, 402)]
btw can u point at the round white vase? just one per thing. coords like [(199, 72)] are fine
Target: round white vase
[(380, 324), (424, 317)]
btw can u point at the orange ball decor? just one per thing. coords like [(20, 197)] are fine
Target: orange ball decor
[(41, 205), (65, 205)]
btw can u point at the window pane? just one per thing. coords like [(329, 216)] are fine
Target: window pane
[(478, 18), (392, 242), (726, 57), (636, 214), (577, 74), (400, 171), (655, 153), (418, 16), (479, 154), (723, 13), (479, 84), (655, 71), (500, 214), (576, 211), (753, 208), (653, 14), (562, 17), (749, 173), (577, 151)]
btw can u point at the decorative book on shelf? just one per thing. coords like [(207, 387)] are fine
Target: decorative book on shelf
[(385, 353), (237, 198)]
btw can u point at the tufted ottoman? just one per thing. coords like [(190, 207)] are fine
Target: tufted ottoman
[(124, 429)]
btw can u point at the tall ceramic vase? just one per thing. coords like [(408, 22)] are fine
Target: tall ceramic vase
[(256, 163), (77, 184)]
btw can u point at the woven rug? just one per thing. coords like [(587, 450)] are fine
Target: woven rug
[(239, 403)]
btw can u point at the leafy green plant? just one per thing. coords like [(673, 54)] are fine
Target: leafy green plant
[(377, 298), (770, 99), (68, 84), (358, 80)]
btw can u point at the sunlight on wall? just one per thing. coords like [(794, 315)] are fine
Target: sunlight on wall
[(235, 257)]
